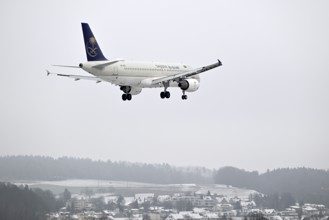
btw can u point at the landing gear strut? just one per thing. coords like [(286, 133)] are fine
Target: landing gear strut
[(184, 97), (165, 93)]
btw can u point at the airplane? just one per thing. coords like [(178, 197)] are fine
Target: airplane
[(133, 76)]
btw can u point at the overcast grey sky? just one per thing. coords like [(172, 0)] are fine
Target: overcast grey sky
[(266, 107)]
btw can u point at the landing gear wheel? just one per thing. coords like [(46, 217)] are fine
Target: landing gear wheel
[(124, 97), (184, 97), (167, 94), (162, 95), (129, 96)]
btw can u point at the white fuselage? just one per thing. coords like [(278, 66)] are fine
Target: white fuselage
[(135, 73)]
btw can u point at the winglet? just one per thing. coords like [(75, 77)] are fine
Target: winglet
[(48, 73), (219, 62)]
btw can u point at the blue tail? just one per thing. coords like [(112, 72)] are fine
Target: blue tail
[(93, 51)]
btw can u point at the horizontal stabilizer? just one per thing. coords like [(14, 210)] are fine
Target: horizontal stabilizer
[(76, 77), (67, 66)]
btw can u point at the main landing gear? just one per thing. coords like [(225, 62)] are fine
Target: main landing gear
[(165, 94), (126, 95)]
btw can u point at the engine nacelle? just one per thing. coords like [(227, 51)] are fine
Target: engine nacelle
[(189, 85)]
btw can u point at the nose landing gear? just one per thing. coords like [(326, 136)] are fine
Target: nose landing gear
[(184, 97)]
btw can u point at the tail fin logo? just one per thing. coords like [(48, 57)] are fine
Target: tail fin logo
[(92, 47)]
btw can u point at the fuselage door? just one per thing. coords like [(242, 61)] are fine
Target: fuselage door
[(115, 71)]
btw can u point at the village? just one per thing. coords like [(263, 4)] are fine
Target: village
[(180, 206)]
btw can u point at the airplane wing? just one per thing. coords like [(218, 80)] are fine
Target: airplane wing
[(179, 76), (77, 77)]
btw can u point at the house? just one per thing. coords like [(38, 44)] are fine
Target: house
[(197, 201), (275, 217), (175, 217), (235, 200), (111, 199), (208, 202), (201, 211), (289, 214), (128, 200), (192, 216), (313, 209), (185, 213), (163, 198), (247, 206), (154, 216), (222, 200), (269, 212), (309, 211), (164, 213), (195, 216), (143, 197), (92, 215), (223, 207), (211, 216), (78, 203)]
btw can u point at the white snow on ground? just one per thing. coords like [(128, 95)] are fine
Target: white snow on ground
[(200, 189)]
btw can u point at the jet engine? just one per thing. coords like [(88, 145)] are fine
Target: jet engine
[(189, 85)]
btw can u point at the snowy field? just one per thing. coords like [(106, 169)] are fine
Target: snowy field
[(226, 190), (129, 188)]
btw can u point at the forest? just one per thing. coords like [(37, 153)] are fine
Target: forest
[(20, 202), (47, 168), (304, 185)]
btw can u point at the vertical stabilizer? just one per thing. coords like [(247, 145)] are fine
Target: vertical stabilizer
[(93, 51)]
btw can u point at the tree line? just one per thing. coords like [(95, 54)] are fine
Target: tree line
[(303, 184), (20, 202), (47, 168)]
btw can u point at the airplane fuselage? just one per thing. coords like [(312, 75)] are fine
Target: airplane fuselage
[(135, 73)]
